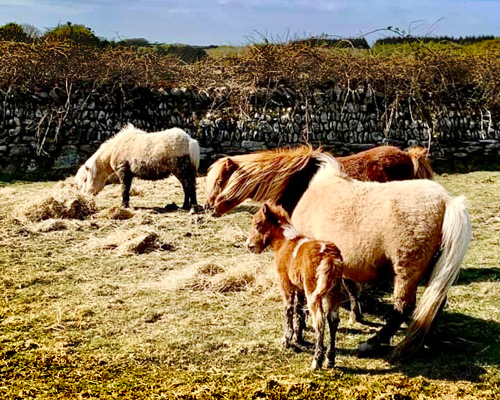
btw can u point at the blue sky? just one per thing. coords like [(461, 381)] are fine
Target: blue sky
[(236, 22)]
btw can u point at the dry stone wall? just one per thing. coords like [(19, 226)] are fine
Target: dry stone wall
[(50, 133)]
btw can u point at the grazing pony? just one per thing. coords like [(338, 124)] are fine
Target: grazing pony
[(304, 266), (283, 175), (416, 227), (133, 152)]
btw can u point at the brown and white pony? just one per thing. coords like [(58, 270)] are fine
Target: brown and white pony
[(283, 175), (414, 226), (303, 266), (133, 152)]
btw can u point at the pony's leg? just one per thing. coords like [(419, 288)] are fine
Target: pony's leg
[(318, 321), (333, 301), (125, 177), (186, 174), (352, 291), (405, 290), (300, 314)]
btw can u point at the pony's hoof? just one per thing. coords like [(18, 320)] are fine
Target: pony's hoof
[(366, 349), (315, 365), (330, 363), (196, 209)]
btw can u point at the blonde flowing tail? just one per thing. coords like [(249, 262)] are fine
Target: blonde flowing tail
[(455, 238), (421, 164), (194, 153)]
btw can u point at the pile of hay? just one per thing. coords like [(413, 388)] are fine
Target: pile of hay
[(132, 241), (118, 213), (51, 225), (215, 277), (63, 202)]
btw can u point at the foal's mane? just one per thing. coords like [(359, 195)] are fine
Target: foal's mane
[(264, 175)]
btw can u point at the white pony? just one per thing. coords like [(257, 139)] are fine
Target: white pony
[(133, 152)]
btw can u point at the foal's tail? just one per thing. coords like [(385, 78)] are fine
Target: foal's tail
[(455, 238), (194, 153), (326, 275), (421, 164)]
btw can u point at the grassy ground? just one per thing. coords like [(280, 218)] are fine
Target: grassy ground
[(92, 309)]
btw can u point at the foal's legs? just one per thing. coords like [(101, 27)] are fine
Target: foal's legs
[(288, 294), (333, 303), (300, 314), (316, 309), (125, 177)]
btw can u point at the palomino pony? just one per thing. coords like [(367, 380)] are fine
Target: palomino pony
[(304, 266), (283, 175), (133, 152), (415, 226)]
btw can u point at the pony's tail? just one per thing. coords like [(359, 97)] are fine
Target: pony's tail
[(455, 238), (194, 153), (421, 163)]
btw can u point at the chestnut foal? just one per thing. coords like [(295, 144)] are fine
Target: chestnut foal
[(304, 266)]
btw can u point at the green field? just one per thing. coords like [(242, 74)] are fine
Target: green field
[(85, 313)]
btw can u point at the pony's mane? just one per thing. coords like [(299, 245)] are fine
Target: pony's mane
[(421, 162), (329, 165), (264, 175), (215, 170)]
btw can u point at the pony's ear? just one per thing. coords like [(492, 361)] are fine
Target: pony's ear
[(268, 213), (266, 209), (230, 164)]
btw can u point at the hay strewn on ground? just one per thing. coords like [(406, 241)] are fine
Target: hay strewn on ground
[(63, 201), (221, 278), (134, 240), (172, 305)]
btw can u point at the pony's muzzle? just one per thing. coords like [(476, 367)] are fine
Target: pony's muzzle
[(208, 208), (252, 247)]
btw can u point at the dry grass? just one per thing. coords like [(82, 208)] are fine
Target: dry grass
[(145, 304), (63, 201)]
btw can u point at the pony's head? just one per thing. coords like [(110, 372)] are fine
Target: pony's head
[(218, 176), (268, 224), (91, 178)]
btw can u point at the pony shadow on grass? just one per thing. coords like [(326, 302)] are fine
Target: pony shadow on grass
[(469, 275), (455, 350)]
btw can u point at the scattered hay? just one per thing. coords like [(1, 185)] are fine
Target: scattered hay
[(232, 234), (118, 213), (140, 244), (136, 192), (68, 183), (214, 277), (234, 279), (51, 225), (132, 241), (64, 202)]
